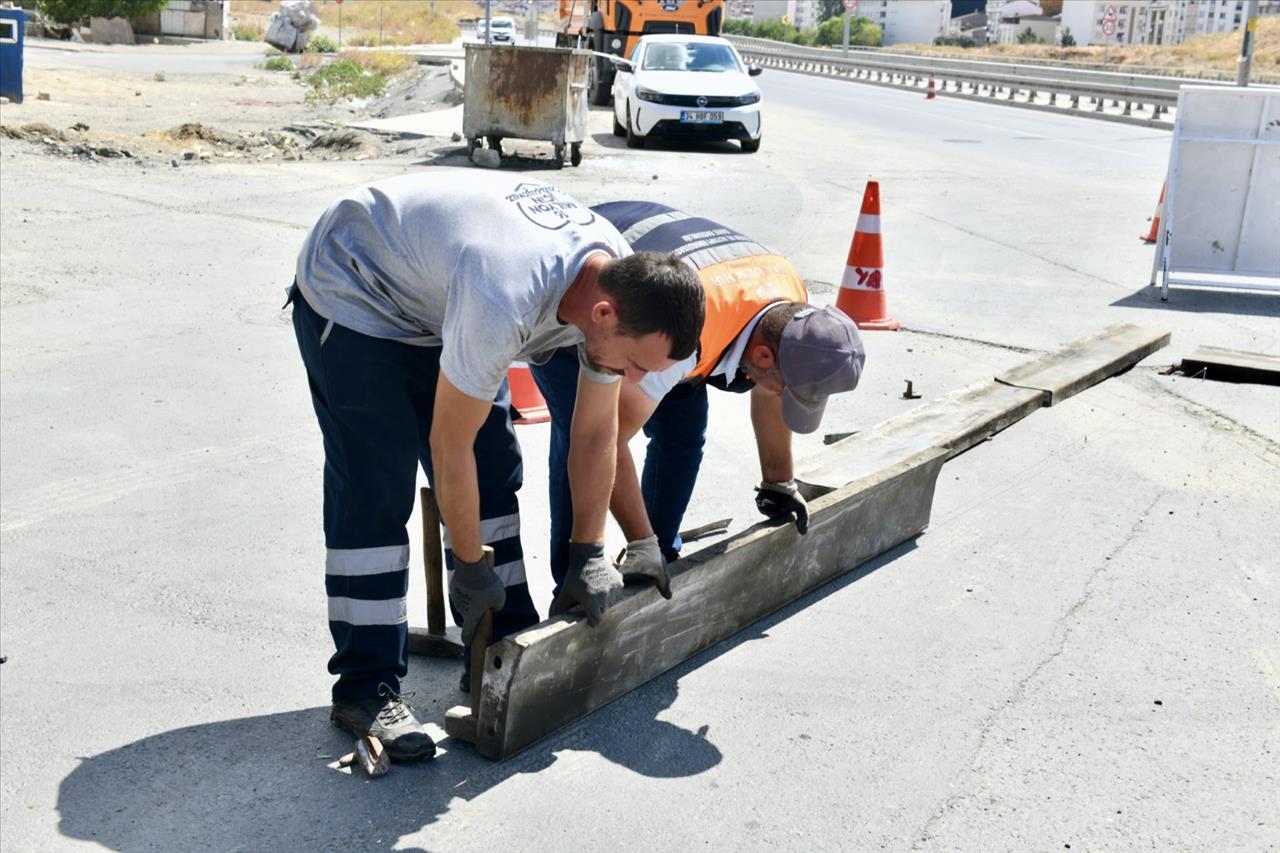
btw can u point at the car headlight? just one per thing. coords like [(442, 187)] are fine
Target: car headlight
[(648, 95), (742, 101)]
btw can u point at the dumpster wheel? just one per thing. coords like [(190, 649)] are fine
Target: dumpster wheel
[(575, 153)]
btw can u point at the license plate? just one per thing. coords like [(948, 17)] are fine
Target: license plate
[(701, 117)]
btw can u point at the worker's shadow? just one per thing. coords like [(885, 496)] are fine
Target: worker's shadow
[(269, 782)]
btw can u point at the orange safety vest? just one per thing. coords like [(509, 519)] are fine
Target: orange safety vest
[(736, 290), (739, 276)]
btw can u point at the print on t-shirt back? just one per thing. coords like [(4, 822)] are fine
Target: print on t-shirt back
[(547, 207)]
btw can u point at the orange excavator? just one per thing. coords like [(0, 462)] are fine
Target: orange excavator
[(614, 26)]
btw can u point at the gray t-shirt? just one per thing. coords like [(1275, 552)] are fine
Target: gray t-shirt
[(475, 262)]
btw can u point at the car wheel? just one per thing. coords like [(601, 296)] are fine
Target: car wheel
[(750, 146), (618, 129), (634, 140)]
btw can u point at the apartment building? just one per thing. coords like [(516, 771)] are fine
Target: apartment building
[(907, 21), (800, 14), (1156, 21)]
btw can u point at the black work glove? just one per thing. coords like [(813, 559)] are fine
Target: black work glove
[(473, 589), (591, 582), (783, 501), (643, 558)]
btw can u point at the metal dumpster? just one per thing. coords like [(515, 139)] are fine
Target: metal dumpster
[(526, 93), (12, 24)]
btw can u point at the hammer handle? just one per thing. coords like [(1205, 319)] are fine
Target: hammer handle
[(432, 562)]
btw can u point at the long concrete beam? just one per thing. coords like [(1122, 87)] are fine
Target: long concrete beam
[(867, 494), (957, 421), (542, 679)]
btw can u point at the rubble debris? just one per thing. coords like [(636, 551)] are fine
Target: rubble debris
[(486, 158), (42, 96), (196, 130)]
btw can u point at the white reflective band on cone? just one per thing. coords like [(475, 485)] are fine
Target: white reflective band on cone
[(868, 223)]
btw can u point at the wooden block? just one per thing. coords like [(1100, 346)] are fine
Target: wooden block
[(459, 722), (1087, 362)]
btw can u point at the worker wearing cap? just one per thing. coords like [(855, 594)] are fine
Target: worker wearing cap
[(760, 335), (412, 297)]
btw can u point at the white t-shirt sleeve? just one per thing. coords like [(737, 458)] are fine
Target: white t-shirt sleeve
[(658, 385), (481, 339)]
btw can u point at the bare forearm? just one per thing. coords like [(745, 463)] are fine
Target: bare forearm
[(458, 494), (592, 460), (773, 439), (627, 502)]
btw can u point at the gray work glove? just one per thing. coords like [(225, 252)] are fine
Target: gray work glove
[(782, 501), (643, 558), (473, 589), (590, 582)]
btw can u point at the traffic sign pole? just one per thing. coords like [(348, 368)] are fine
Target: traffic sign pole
[(850, 6)]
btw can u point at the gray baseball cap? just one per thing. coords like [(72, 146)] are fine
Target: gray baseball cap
[(820, 354)]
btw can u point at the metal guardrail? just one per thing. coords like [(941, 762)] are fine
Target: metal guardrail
[(1018, 83)]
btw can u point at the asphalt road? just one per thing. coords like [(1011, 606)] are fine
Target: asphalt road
[(1082, 650)]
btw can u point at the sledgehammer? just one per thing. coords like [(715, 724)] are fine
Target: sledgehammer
[(438, 640)]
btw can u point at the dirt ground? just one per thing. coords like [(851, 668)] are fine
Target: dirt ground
[(187, 117)]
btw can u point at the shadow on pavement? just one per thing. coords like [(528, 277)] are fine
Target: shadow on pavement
[(266, 782), (1205, 301)]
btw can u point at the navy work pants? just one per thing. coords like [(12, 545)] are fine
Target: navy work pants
[(677, 432), (374, 400)]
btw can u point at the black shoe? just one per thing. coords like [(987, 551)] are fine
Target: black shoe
[(465, 684), (388, 718)]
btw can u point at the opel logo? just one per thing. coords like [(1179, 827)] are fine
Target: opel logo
[(702, 100)]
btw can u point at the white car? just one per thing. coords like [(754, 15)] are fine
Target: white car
[(502, 30), (686, 87)]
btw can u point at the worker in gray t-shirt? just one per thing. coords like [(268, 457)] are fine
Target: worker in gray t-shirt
[(412, 297)]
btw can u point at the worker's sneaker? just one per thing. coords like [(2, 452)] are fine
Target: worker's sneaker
[(388, 718)]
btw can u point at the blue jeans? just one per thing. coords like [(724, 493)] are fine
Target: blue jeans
[(374, 400), (677, 432)]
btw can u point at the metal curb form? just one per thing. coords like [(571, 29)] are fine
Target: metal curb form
[(870, 492)]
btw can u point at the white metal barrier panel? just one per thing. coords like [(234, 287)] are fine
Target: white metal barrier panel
[(1221, 226)]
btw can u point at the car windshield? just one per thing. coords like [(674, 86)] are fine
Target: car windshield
[(504, 25), (689, 56)]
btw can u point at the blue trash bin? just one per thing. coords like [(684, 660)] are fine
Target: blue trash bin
[(12, 24)]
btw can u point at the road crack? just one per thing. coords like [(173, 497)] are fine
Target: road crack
[(1063, 629)]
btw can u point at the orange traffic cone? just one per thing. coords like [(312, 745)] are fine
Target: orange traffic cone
[(862, 288), (1154, 234), (526, 399), (930, 94)]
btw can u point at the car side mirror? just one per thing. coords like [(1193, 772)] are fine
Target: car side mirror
[(623, 65), (754, 70)]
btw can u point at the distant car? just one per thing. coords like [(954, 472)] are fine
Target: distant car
[(502, 30), (688, 87)]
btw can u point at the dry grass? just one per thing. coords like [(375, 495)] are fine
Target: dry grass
[(1217, 53), (385, 62), (403, 21)]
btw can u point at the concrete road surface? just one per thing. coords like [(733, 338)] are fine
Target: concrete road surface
[(1082, 651)]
